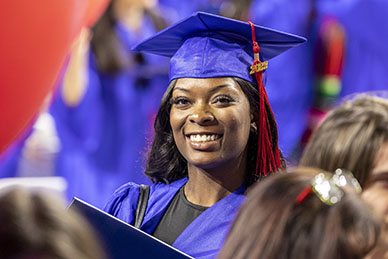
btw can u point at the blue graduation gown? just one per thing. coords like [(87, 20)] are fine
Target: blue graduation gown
[(105, 137), (203, 238)]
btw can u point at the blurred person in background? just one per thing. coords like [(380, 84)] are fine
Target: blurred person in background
[(291, 216), (104, 111), (354, 136), (36, 224)]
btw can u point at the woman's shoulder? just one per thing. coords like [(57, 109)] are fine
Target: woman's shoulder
[(122, 204)]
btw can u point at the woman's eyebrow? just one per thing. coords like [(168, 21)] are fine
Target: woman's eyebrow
[(181, 89), (212, 90), (216, 88)]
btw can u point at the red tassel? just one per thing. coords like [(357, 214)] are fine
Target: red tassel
[(267, 159)]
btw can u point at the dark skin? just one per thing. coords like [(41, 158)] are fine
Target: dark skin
[(211, 122)]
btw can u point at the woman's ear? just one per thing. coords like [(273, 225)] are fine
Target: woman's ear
[(254, 116)]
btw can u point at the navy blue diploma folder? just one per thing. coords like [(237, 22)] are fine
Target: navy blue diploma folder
[(122, 240)]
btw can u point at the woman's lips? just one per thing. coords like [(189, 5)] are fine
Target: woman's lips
[(204, 142)]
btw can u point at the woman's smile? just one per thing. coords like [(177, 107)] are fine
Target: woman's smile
[(204, 141)]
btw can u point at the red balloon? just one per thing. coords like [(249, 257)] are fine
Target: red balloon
[(35, 39)]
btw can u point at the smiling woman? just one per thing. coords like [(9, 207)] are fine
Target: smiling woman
[(166, 164), (215, 133)]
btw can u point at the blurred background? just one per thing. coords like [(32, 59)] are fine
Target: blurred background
[(95, 128)]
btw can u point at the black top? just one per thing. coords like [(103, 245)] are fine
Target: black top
[(179, 214)]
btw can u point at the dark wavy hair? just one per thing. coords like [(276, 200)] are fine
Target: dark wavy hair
[(166, 164)]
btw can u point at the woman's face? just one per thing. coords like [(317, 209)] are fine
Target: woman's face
[(210, 119), (376, 189)]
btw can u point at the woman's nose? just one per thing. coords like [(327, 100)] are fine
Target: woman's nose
[(201, 115)]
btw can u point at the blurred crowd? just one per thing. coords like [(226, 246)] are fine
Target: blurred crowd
[(96, 128)]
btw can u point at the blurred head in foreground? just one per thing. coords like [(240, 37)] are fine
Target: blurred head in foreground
[(354, 136), (37, 225), (291, 216)]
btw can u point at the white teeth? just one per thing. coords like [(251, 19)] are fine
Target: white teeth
[(203, 138)]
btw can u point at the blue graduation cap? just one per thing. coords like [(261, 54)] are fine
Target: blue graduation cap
[(206, 45)]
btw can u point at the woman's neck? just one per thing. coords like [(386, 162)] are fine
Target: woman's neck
[(205, 187)]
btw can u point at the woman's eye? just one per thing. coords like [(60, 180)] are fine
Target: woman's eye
[(223, 100), (180, 101)]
